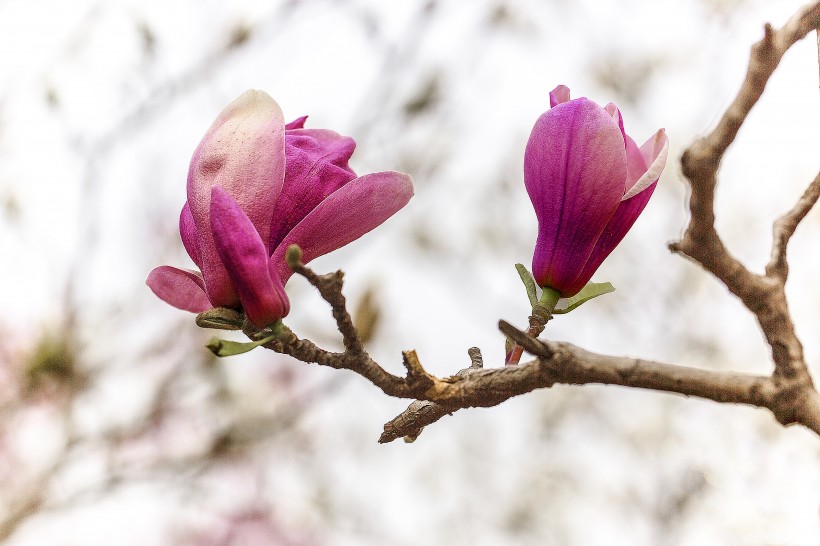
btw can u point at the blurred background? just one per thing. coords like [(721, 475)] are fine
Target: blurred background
[(118, 427)]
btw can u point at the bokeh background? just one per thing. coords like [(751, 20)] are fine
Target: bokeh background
[(118, 427)]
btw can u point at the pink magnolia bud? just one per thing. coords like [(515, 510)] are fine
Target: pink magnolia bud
[(588, 182), (256, 186)]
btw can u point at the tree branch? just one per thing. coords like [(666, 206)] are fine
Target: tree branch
[(330, 288), (764, 295), (410, 423), (556, 363), (701, 160), (788, 393), (564, 363), (784, 228)]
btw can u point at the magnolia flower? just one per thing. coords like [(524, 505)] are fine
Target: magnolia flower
[(257, 186), (588, 182)]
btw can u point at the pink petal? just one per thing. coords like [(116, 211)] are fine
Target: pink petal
[(244, 153), (635, 164), (347, 214), (298, 123), (189, 235), (182, 288), (575, 172), (617, 228), (654, 148), (613, 111), (316, 167), (246, 259), (559, 95), (654, 152)]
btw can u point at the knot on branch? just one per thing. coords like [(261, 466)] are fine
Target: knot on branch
[(791, 400)]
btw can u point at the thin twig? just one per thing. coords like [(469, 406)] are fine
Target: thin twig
[(784, 228), (330, 288)]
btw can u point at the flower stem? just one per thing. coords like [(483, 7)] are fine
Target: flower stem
[(541, 315)]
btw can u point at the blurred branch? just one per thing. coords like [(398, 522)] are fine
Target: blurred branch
[(788, 393), (229, 438), (29, 499)]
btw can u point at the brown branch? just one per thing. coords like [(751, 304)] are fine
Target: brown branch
[(784, 228), (575, 366), (764, 295), (330, 288), (355, 358), (563, 363), (764, 59), (410, 423), (556, 363), (701, 160), (788, 393)]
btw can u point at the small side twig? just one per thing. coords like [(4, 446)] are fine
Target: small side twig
[(476, 360), (330, 288), (411, 422), (785, 226)]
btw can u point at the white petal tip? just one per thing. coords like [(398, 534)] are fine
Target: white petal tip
[(654, 171)]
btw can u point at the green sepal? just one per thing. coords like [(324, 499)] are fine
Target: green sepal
[(591, 290), (529, 283), (220, 318), (223, 347)]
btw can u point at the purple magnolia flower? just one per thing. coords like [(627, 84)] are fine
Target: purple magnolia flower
[(588, 182), (257, 186)]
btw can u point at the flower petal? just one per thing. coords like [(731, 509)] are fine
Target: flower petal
[(316, 167), (347, 214), (182, 288), (654, 151), (617, 228), (635, 164), (244, 153), (246, 259), (575, 172), (559, 95), (189, 235), (298, 123), (613, 111)]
